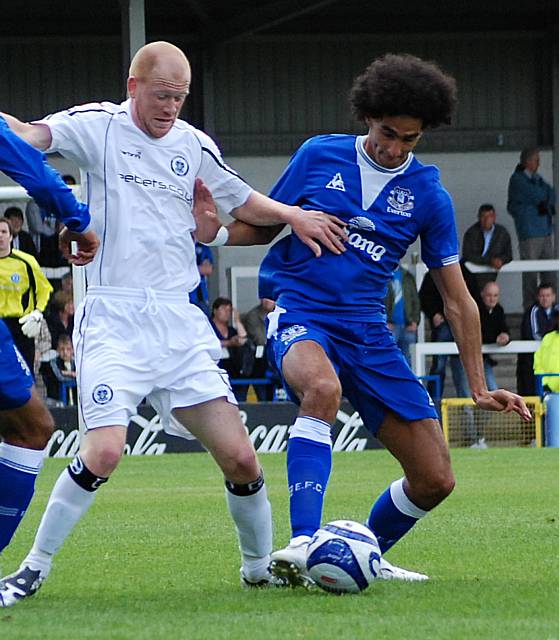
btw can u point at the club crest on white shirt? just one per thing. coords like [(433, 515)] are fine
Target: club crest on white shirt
[(179, 165), (400, 201)]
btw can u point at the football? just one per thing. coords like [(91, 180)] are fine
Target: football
[(343, 557)]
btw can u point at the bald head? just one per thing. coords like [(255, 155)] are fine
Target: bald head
[(158, 83), (160, 59)]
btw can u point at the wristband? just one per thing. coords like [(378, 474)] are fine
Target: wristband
[(220, 239)]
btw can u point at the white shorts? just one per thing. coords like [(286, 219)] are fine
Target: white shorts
[(132, 344)]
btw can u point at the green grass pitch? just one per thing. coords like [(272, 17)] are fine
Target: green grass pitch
[(156, 557)]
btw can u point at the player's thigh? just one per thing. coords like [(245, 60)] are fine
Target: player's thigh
[(29, 425), (218, 426), (306, 365), (422, 451)]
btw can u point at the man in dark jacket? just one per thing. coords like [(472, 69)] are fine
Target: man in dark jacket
[(538, 320), (494, 329), (487, 243), (21, 239), (531, 202)]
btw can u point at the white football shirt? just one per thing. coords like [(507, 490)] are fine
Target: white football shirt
[(140, 192)]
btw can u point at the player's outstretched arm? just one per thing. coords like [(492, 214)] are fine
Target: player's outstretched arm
[(314, 228), (238, 233), (462, 313), (20, 160), (37, 135)]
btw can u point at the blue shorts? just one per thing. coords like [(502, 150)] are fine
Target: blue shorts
[(374, 374), (15, 378)]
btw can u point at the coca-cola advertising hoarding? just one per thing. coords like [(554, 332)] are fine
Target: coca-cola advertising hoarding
[(268, 425)]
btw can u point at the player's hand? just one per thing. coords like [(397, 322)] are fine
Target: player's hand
[(87, 242), (204, 211), (315, 227), (31, 324), (503, 400)]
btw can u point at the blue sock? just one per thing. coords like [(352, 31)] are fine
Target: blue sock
[(309, 461), (19, 468), (393, 515)]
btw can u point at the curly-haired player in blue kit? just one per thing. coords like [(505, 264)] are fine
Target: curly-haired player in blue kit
[(328, 335)]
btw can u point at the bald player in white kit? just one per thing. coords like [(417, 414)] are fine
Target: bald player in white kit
[(136, 333)]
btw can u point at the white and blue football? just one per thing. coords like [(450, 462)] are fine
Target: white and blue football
[(343, 557)]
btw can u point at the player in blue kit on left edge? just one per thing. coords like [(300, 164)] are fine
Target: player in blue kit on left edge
[(328, 335), (25, 423)]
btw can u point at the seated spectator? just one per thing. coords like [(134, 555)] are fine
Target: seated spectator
[(20, 239), (67, 283), (432, 306), (403, 310), (546, 358), (537, 321), (487, 243), (255, 324), (205, 262), (494, 329), (61, 318), (63, 369), (237, 355)]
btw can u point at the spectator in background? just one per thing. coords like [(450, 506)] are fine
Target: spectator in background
[(403, 310), (21, 239), (494, 329), (433, 307), (24, 293), (61, 318), (537, 322), (232, 335), (531, 202), (205, 263), (50, 254), (487, 243), (546, 358), (255, 325), (63, 368)]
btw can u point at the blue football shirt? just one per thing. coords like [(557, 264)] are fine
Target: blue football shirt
[(385, 209)]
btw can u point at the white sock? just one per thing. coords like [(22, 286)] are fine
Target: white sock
[(253, 520), (68, 502)]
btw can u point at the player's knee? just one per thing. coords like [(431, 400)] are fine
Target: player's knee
[(325, 390), (243, 467), (104, 459), (437, 486)]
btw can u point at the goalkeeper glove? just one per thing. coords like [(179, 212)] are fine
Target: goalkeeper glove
[(31, 324)]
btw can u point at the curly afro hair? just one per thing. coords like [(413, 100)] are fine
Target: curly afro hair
[(403, 85)]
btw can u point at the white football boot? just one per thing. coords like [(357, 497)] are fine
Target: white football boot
[(390, 572), (290, 563)]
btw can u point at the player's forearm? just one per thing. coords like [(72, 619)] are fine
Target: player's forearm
[(261, 211), (244, 234), (466, 329)]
